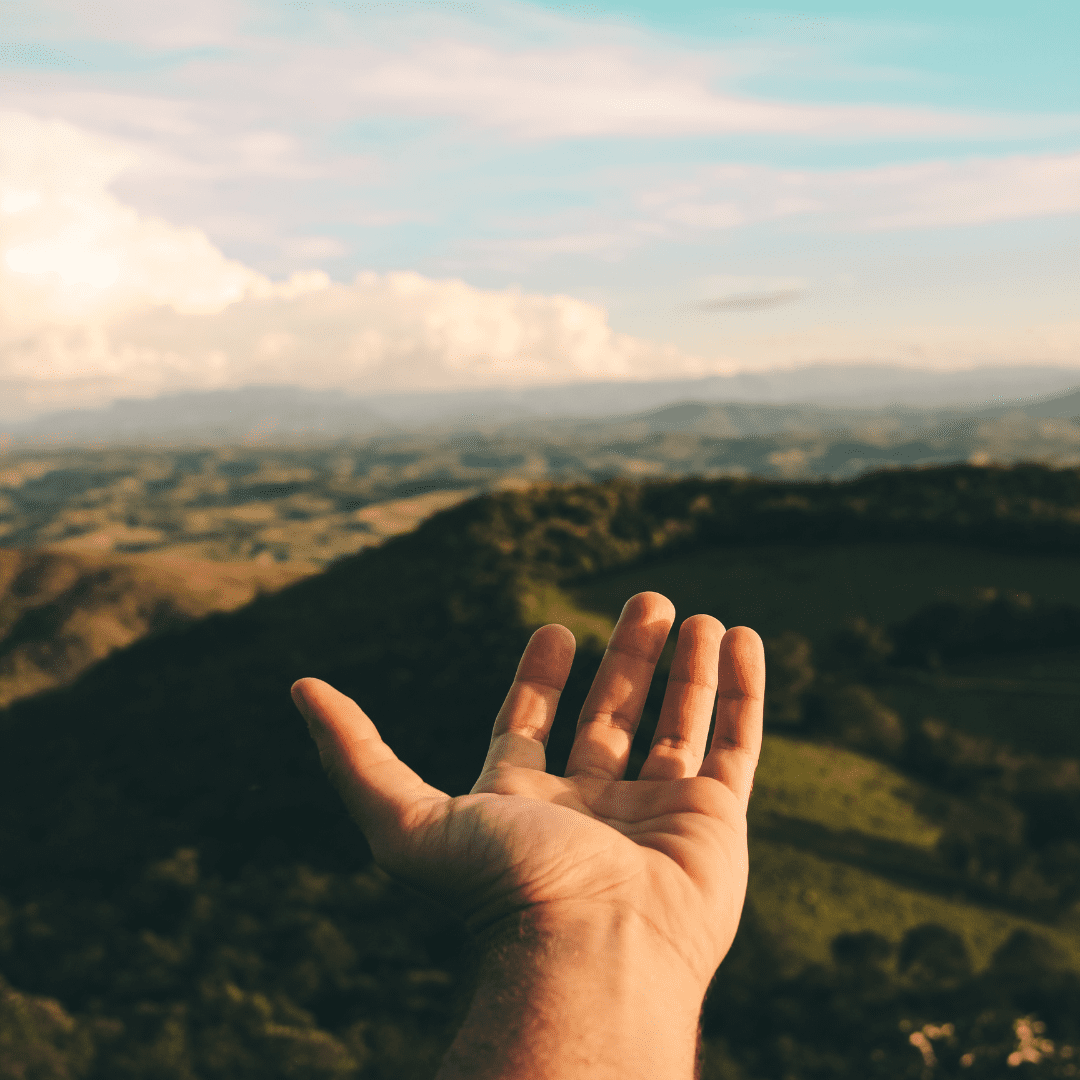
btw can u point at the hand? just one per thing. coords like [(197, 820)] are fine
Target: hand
[(667, 851)]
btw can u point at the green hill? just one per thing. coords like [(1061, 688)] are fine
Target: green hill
[(184, 897)]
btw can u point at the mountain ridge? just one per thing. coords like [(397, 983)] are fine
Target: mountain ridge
[(290, 413)]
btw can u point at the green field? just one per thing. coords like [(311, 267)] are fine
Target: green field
[(812, 590), (1031, 702), (841, 790), (841, 842), (805, 885), (805, 900)]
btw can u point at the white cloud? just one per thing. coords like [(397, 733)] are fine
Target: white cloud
[(397, 331), (98, 301), (276, 125), (71, 248), (922, 195), (911, 196), (639, 89), (191, 25), (967, 192)]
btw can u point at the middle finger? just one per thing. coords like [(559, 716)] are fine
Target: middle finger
[(612, 710), (678, 746)]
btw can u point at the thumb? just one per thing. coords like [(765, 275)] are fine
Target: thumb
[(380, 791)]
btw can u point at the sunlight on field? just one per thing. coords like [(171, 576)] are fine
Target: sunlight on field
[(806, 901), (543, 604), (840, 790)]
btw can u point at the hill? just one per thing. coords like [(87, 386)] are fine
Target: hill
[(184, 896), (61, 611), (1057, 405), (233, 505), (316, 501)]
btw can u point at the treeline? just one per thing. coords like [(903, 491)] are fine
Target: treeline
[(185, 899), (987, 626), (564, 531)]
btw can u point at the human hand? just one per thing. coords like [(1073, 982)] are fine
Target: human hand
[(666, 851)]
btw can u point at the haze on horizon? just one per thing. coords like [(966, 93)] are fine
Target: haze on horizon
[(426, 195)]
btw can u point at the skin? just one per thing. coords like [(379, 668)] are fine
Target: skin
[(603, 907)]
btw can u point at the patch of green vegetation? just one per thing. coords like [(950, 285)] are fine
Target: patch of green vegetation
[(180, 878), (543, 603), (840, 790), (806, 900), (814, 589), (1030, 715)]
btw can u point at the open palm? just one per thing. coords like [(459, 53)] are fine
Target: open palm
[(668, 848)]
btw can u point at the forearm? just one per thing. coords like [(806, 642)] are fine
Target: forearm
[(588, 998)]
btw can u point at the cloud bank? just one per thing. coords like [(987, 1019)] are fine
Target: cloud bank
[(922, 195), (98, 301)]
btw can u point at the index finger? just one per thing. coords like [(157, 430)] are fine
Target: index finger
[(740, 701), (524, 721)]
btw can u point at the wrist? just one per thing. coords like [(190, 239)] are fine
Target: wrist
[(581, 991)]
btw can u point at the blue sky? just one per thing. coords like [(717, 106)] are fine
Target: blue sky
[(746, 185), (979, 55)]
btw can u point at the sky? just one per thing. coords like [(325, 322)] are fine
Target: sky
[(422, 195)]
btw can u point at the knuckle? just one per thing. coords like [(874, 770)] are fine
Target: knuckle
[(611, 718), (677, 743), (692, 681), (646, 656)]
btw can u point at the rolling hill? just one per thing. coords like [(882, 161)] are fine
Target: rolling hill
[(184, 894), (291, 413), (62, 611), (315, 499)]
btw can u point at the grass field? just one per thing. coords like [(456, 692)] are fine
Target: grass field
[(841, 842), (861, 811), (813, 590), (805, 900), (1031, 702), (841, 790)]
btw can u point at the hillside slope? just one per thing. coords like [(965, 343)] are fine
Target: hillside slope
[(180, 877), (62, 611)]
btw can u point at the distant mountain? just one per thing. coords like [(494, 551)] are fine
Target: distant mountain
[(275, 414), (733, 420), (828, 385), (1065, 406), (255, 413)]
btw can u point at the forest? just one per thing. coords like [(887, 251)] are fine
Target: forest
[(182, 897)]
